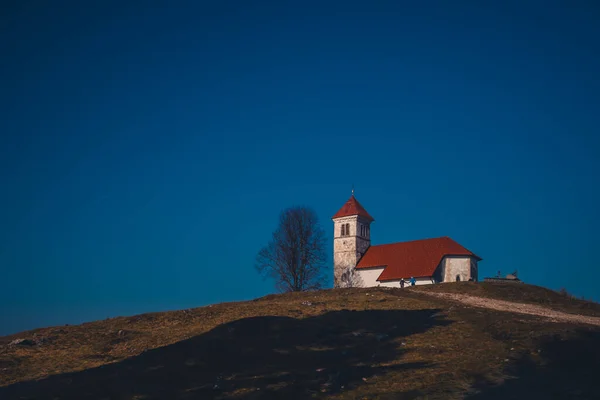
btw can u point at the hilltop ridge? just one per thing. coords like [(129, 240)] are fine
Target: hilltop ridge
[(341, 343)]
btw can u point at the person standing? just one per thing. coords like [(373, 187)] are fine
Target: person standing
[(413, 281), (402, 283)]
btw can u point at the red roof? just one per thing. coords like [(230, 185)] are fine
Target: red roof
[(417, 258), (352, 207)]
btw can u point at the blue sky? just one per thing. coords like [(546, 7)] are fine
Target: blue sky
[(147, 150)]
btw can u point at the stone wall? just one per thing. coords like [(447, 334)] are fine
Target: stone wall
[(348, 249), (463, 267), (474, 269)]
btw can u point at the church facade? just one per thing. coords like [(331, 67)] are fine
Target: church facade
[(357, 263)]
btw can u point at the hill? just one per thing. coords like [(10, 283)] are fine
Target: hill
[(368, 343)]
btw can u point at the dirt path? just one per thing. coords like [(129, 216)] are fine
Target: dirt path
[(501, 305)]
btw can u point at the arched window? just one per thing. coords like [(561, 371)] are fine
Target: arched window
[(347, 229), (457, 278), (343, 229)]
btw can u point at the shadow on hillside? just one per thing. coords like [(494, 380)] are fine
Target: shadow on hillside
[(261, 357), (569, 370)]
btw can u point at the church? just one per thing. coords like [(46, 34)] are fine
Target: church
[(357, 263)]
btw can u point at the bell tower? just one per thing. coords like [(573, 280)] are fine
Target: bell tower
[(351, 237)]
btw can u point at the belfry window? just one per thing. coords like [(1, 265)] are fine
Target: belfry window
[(347, 229), (343, 230)]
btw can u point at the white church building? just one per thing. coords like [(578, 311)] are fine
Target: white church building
[(357, 263)]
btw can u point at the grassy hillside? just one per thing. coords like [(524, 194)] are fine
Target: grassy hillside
[(344, 344), (521, 293)]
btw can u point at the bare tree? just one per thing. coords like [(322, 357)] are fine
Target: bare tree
[(295, 257), (350, 278)]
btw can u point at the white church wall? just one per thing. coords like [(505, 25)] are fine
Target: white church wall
[(474, 269), (396, 283), (369, 279), (369, 276), (453, 266)]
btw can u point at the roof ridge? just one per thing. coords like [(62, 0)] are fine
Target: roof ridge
[(415, 240)]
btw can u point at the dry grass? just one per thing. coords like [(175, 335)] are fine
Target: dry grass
[(520, 293), (343, 344)]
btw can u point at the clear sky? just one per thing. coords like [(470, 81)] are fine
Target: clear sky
[(146, 150)]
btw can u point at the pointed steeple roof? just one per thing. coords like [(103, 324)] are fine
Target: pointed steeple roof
[(352, 207)]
